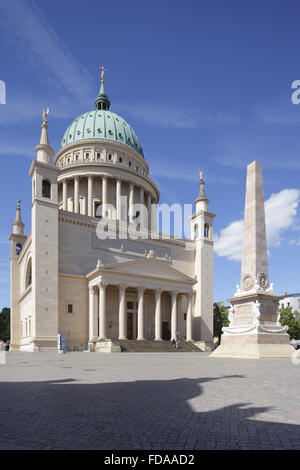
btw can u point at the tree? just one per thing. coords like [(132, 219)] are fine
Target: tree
[(220, 319), (287, 317), (5, 324)]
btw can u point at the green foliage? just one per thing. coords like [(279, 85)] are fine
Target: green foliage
[(287, 317), (220, 318), (5, 324)]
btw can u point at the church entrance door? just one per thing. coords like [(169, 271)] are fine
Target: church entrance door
[(129, 325), (166, 335)]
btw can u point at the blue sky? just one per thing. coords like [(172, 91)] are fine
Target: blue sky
[(205, 84)]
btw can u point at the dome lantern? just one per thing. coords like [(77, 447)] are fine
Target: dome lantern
[(102, 102)]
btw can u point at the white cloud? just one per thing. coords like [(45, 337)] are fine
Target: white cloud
[(178, 118), (229, 242), (161, 168), (26, 109), (19, 150), (24, 23), (281, 211), (278, 116)]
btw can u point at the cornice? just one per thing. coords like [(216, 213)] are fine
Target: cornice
[(91, 222)]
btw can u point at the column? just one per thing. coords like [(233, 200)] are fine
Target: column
[(122, 312), (142, 192), (140, 336), (174, 315), (90, 195), (154, 216), (189, 318), (158, 315), (102, 309), (149, 209), (143, 211), (76, 194), (64, 197), (104, 196), (118, 198), (93, 314), (130, 206)]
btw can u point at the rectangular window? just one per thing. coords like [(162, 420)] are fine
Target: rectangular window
[(87, 156), (130, 305), (70, 308), (109, 157), (120, 159), (98, 156)]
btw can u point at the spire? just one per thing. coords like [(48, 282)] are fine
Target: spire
[(18, 226), (43, 149), (201, 201), (102, 101)]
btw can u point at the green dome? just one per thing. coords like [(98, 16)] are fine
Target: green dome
[(101, 124)]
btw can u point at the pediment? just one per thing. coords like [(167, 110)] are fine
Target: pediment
[(147, 268)]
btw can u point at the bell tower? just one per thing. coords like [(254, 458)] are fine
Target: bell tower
[(44, 221), (202, 234), (17, 241)]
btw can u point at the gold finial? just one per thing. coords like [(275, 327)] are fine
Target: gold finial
[(45, 114), (201, 174), (103, 70)]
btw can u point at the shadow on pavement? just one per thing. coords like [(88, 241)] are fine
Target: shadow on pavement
[(145, 414)]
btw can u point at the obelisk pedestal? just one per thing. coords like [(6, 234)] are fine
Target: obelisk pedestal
[(254, 329)]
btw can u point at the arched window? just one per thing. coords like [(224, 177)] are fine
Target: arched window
[(206, 231), (28, 278), (18, 249), (46, 189)]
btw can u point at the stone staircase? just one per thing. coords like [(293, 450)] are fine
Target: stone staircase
[(155, 346)]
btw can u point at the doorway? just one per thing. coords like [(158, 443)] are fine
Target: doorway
[(166, 334), (129, 325), (131, 319)]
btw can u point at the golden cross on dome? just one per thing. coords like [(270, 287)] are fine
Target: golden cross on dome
[(103, 70)]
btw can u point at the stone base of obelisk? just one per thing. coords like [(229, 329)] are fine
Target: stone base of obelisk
[(250, 337), (255, 346)]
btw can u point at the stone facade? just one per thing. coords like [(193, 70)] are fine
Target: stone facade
[(65, 279)]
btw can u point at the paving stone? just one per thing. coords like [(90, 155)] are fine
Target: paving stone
[(147, 401)]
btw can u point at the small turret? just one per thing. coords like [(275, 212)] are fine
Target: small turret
[(43, 150), (201, 201), (18, 226)]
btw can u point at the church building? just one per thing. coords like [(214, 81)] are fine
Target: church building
[(104, 292)]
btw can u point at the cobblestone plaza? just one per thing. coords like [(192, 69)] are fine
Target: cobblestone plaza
[(148, 401)]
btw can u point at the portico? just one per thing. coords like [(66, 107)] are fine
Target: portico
[(138, 300)]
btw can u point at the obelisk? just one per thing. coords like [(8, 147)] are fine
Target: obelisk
[(254, 258), (254, 329)]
